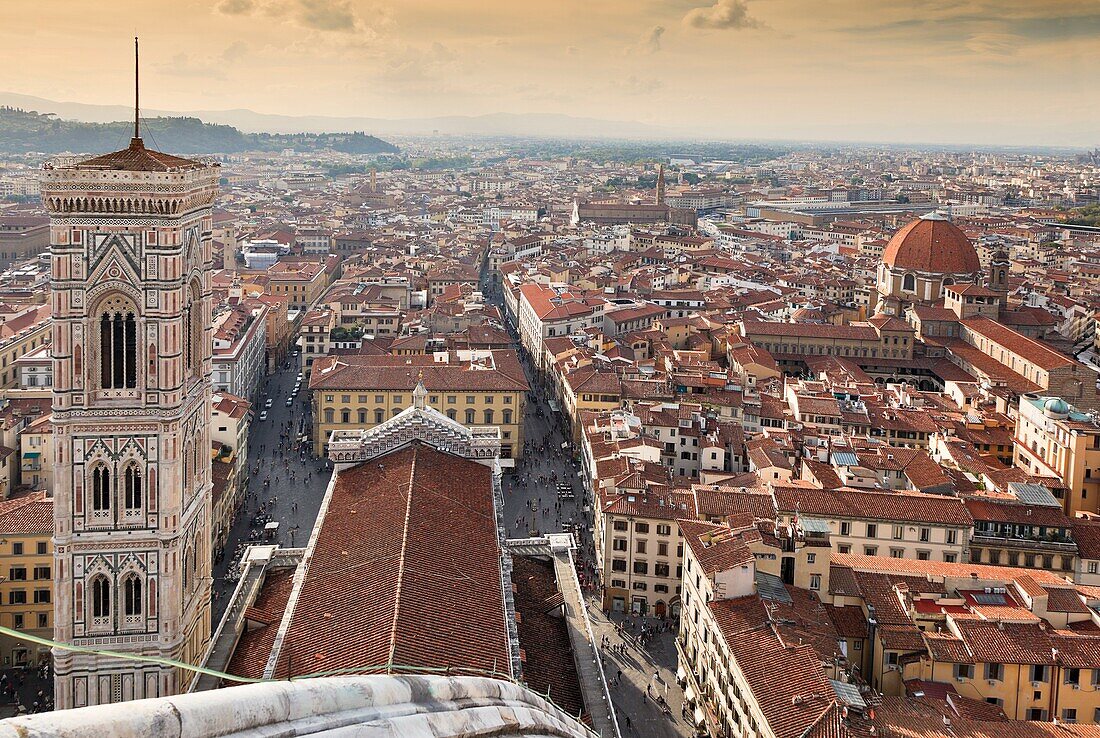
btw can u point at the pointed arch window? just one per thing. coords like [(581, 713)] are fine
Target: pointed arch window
[(132, 488), (118, 345), (131, 595), (193, 333), (101, 489), (187, 556), (187, 467), (101, 597)]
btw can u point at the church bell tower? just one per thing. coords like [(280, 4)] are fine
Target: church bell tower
[(130, 250)]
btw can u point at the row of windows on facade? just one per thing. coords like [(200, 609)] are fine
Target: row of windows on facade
[(19, 573), (19, 597), (642, 586), (619, 544), (663, 529), (132, 602), (432, 399), (18, 549), (131, 487), (1037, 673), (642, 567), (19, 621), (898, 532), (488, 416), (831, 350), (1030, 560), (899, 553)]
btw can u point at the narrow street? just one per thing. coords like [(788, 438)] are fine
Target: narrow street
[(296, 481), (532, 506)]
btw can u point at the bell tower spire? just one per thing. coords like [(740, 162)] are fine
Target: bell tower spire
[(137, 128)]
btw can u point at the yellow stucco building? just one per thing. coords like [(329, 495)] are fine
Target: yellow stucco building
[(470, 387), (26, 576)]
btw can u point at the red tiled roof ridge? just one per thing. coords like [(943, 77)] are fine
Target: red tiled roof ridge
[(401, 556)]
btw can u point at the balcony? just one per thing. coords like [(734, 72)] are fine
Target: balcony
[(1049, 542)]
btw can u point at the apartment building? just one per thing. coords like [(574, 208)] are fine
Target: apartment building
[(302, 281), (314, 240), (1031, 534), (544, 312), (21, 237), (898, 525), (643, 553), (755, 656), (22, 330), (315, 339), (1022, 639), (35, 368), (26, 584), (470, 387), (1025, 668), (239, 347), (442, 277), (586, 388), (694, 443), (278, 328), (230, 422), (1055, 439), (36, 454)]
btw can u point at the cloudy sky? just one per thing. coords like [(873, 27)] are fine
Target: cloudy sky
[(984, 71)]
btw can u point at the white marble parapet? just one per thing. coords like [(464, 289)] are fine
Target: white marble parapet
[(481, 442), (333, 707)]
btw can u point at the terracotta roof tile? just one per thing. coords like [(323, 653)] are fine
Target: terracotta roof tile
[(137, 158), (30, 514), (405, 571)]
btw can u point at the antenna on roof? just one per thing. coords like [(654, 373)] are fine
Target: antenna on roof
[(137, 132)]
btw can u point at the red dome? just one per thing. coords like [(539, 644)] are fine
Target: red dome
[(931, 244)]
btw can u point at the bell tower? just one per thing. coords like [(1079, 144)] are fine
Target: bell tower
[(130, 250), (999, 268)]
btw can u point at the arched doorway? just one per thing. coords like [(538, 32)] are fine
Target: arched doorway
[(659, 609)]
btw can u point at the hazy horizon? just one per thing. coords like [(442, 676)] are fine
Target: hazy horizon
[(1009, 73)]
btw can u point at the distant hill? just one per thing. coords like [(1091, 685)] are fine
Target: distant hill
[(22, 131), (547, 125)]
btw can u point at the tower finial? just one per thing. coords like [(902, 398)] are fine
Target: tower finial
[(137, 130)]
